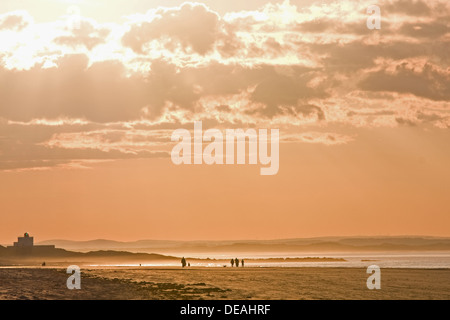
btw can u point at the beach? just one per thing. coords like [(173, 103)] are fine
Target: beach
[(201, 283)]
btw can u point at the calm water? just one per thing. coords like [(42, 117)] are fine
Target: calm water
[(421, 261)]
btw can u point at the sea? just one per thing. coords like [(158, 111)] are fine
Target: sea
[(352, 260)]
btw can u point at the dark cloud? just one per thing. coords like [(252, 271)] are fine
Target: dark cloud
[(356, 55), (408, 7), (429, 117), (101, 92), (316, 25), (43, 157), (277, 90), (370, 113), (275, 86), (193, 26), (308, 109), (406, 122), (434, 29), (23, 147), (427, 83)]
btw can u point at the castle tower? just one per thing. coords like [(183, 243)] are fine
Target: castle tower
[(25, 241)]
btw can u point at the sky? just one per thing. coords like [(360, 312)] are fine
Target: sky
[(91, 91)]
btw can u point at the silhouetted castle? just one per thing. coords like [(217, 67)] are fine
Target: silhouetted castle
[(25, 241), (25, 245)]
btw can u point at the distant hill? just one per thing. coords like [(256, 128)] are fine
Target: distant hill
[(52, 255), (325, 244), (49, 253)]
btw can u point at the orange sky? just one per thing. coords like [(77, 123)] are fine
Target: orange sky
[(377, 186), (86, 114)]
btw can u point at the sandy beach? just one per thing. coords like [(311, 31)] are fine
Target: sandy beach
[(223, 283)]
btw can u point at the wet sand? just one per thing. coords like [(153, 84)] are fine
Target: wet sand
[(224, 283)]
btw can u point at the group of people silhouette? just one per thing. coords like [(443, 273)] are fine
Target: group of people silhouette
[(184, 263), (234, 262)]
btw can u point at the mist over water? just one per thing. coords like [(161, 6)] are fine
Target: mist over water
[(352, 260)]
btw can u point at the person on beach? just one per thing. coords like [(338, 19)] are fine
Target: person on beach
[(232, 263), (242, 263), (183, 262), (236, 261)]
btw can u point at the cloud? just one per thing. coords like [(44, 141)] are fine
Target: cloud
[(15, 21), (428, 82), (100, 92), (408, 7), (439, 119), (85, 34), (277, 90), (427, 30), (28, 146), (193, 26), (325, 138), (357, 55), (104, 92), (111, 91)]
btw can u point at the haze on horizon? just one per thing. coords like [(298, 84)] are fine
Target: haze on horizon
[(88, 103)]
